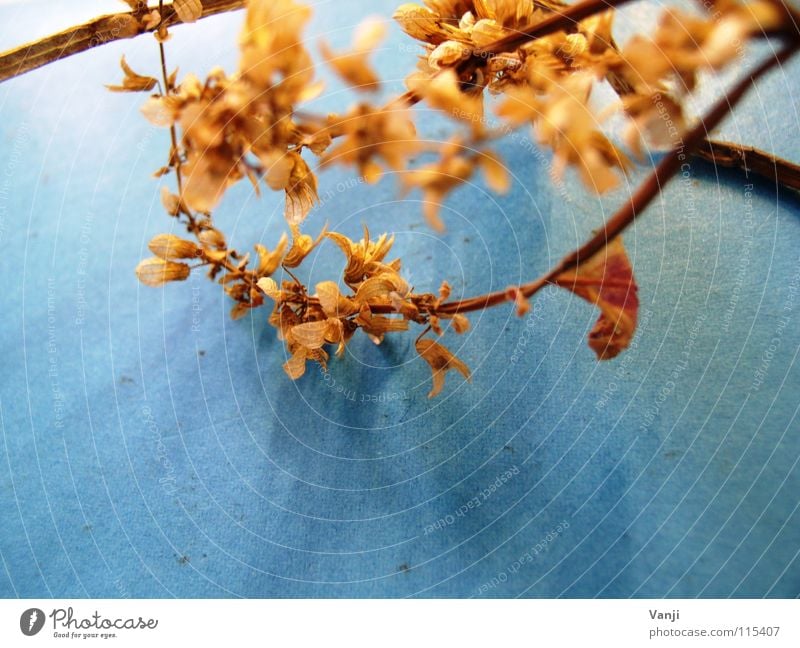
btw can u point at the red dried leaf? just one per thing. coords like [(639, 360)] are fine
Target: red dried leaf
[(606, 280)]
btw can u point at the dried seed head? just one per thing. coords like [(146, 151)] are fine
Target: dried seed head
[(156, 271)]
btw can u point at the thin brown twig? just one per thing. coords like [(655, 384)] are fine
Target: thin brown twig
[(560, 21), (95, 32)]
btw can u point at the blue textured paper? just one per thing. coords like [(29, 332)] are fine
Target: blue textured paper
[(152, 447)]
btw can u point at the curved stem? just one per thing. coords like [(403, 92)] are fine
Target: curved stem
[(643, 196)]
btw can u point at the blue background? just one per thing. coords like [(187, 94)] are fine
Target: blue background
[(144, 456)]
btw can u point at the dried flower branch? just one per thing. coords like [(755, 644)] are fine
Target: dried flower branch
[(541, 58)]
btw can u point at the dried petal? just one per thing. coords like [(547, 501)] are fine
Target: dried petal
[(160, 111), (302, 244), (311, 335), (440, 360), (239, 310), (447, 54), (188, 10), (378, 289), (419, 22), (268, 286), (495, 172), (443, 91), (169, 246), (171, 202), (279, 169), (444, 291), (212, 238), (269, 262), (296, 365), (353, 66), (332, 302), (132, 82), (460, 323), (521, 302), (301, 191)]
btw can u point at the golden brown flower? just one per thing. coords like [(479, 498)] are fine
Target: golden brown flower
[(365, 257), (368, 134), (302, 244), (269, 261), (443, 91), (171, 247), (455, 166), (132, 82), (188, 10), (441, 360)]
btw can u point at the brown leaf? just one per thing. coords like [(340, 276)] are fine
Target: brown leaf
[(606, 280), (156, 272), (440, 360), (188, 10), (378, 289)]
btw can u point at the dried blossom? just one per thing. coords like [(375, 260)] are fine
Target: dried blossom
[(169, 247), (132, 82), (454, 167), (156, 271), (369, 134), (188, 10), (606, 280), (365, 258)]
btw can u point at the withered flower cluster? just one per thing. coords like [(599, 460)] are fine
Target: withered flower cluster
[(248, 125)]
